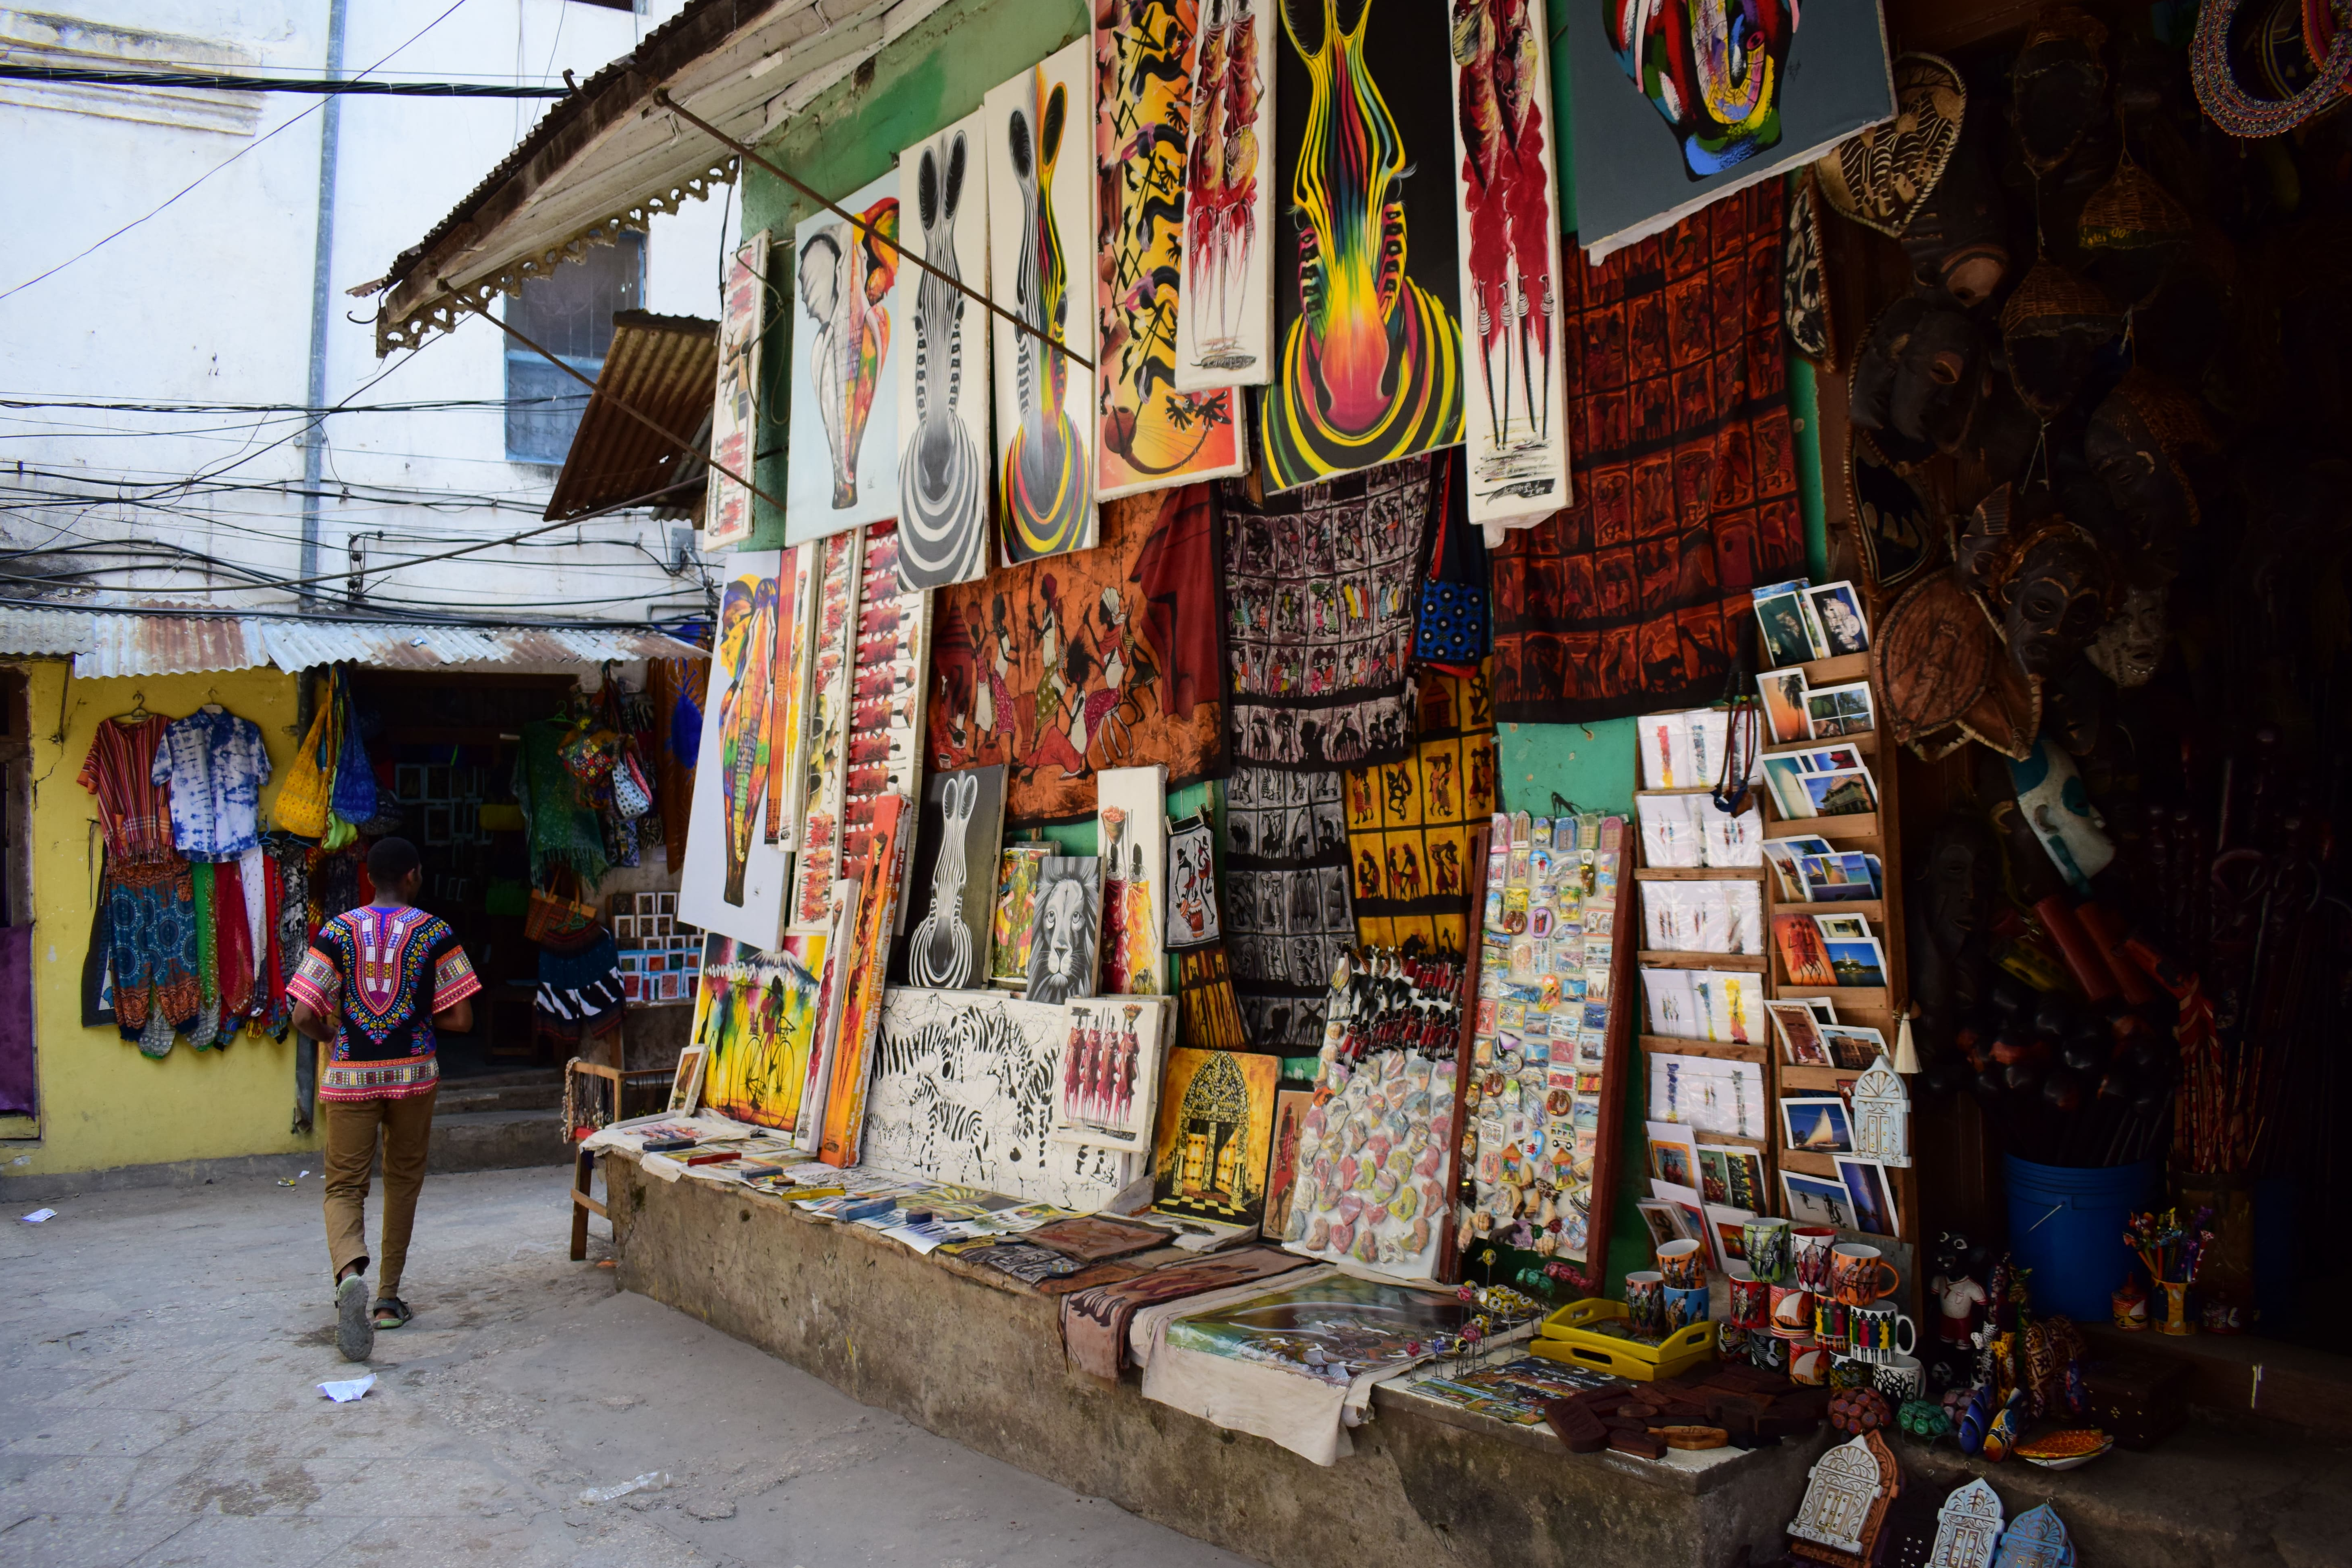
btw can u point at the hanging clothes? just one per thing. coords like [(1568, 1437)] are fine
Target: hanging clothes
[(135, 808), (232, 945), (561, 825), (215, 765), (206, 1026), (152, 911)]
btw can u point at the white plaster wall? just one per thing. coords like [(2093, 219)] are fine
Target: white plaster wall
[(210, 302)]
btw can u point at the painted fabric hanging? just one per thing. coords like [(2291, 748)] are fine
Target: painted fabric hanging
[(832, 644), (735, 416), (152, 911), (1108, 659), (1321, 593), (1210, 1014), (944, 471), (1625, 602), (1152, 435), (733, 877), (1225, 314), (1287, 918), (882, 750), (846, 340), (1408, 821)]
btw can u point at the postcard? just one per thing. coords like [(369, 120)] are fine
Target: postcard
[(1839, 709), (1845, 791), (1843, 928), (1688, 1208), (1852, 1046), (1805, 956), (1836, 877), (1785, 777), (1715, 1096), (1780, 853), (1857, 963), (1816, 1125), (1812, 1201), (1799, 1032), (1838, 610), (1874, 1209), (1674, 1009), (1725, 1223), (1673, 1154), (1664, 1222), (1783, 621), (1783, 693), (1731, 1173)]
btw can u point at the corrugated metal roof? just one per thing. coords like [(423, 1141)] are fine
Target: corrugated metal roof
[(665, 368), (103, 643)]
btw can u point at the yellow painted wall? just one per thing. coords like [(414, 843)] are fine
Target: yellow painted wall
[(101, 1102)]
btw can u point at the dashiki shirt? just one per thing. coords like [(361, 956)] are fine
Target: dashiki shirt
[(370, 970)]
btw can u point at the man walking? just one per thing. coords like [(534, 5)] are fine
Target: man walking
[(374, 984)]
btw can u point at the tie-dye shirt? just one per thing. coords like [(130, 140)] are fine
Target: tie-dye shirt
[(382, 973), (215, 763)]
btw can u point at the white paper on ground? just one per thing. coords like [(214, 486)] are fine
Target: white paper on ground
[(343, 1393), (37, 1216)]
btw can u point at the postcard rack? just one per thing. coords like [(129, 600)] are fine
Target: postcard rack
[(1880, 1007)]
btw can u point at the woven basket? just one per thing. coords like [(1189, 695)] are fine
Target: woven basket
[(2132, 212)]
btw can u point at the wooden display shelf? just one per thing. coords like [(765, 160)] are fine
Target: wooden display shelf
[(1862, 998), (1669, 1044), (1753, 963), (1695, 874), (1874, 907), (1844, 829), (1825, 1080), (1865, 743), (1840, 670)]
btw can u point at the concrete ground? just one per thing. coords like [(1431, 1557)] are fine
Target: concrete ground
[(159, 1349)]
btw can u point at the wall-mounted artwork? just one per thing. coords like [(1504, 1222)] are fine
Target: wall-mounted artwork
[(1040, 224), (1013, 919), (1408, 821), (955, 869), (1678, 103), (1518, 426), (882, 750), (963, 1092), (1214, 1135), (832, 637), (1132, 833), (849, 332), (1066, 931), (1192, 910), (735, 416), (1152, 433), (1367, 296), (756, 1016), (791, 661), (1225, 314), (1109, 1080), (734, 881), (945, 469), (859, 973)]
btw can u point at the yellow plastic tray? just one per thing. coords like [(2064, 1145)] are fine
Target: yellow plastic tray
[(1566, 1336)]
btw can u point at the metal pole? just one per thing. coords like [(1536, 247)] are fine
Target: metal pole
[(323, 256)]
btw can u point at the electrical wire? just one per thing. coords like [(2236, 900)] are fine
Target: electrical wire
[(215, 81), (428, 405)]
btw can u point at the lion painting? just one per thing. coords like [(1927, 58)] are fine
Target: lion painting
[(1063, 941)]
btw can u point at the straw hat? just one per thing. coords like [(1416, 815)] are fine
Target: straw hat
[(2052, 328), (1879, 177), (2135, 231)]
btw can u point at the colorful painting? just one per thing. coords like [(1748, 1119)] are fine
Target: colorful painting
[(734, 881), (1408, 821), (882, 750), (1014, 919), (1336, 1327), (863, 965), (1225, 314), (1066, 931), (1628, 601), (1131, 832), (1108, 1081), (944, 471), (847, 340), (790, 662), (1210, 1014), (964, 1093), (1516, 429), (756, 1016), (1153, 434), (1283, 1197), (1193, 917), (1678, 103), (1368, 314), (832, 637), (1062, 667), (1213, 1139), (1040, 183), (1287, 916), (735, 415), (955, 859)]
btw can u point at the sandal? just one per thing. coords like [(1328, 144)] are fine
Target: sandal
[(392, 1312), (355, 1335)]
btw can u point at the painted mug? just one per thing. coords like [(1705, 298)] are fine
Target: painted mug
[(1685, 1307), (1833, 1323), (1751, 1298), (1808, 1255), (1901, 1378), (1792, 1312), (1880, 1333), (1730, 1341), (1860, 1274), (1646, 1303), (1809, 1365), (1766, 1353), (1764, 1241), (1684, 1263)]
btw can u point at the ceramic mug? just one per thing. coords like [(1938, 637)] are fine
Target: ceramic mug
[(1684, 1263), (1833, 1324), (1808, 1255), (1846, 1373), (1880, 1333), (1766, 1353), (1792, 1312), (1730, 1341), (1809, 1365), (1901, 1378), (1860, 1274), (1764, 1242), (1645, 1303), (1685, 1307), (1751, 1298)]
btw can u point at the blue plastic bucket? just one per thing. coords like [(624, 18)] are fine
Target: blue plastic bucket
[(2067, 1226)]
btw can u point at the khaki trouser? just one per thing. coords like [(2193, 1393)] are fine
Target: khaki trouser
[(350, 1150)]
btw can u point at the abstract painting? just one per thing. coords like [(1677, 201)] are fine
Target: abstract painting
[(859, 971), (1014, 919), (1040, 183), (1366, 313), (787, 743), (955, 861), (734, 881), (1064, 666), (1287, 915), (735, 415), (1677, 103), (944, 471), (832, 640), (1214, 1135), (1065, 931), (1152, 433), (757, 1014), (1194, 919), (964, 1093), (847, 339), (1335, 1328), (1108, 1081), (1408, 821), (882, 750), (1132, 833), (1210, 1014), (1225, 312), (1516, 427), (1282, 1194)]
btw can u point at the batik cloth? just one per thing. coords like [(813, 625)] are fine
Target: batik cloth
[(1408, 821), (207, 1027), (382, 973), (152, 911), (675, 687), (1109, 658), (215, 765), (1686, 482), (1287, 918), (1321, 589), (135, 809)]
